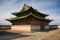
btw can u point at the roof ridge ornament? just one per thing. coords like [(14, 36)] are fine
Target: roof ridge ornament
[(25, 7)]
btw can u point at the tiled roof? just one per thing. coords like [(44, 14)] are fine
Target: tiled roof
[(27, 16)]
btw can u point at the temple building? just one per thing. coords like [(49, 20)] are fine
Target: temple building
[(29, 19)]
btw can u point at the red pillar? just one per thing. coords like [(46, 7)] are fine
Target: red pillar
[(42, 26)]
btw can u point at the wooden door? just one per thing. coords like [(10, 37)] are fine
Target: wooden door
[(42, 27)]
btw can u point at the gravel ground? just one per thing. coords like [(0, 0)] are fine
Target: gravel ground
[(38, 35)]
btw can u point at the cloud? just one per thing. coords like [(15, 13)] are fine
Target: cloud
[(51, 7), (4, 22)]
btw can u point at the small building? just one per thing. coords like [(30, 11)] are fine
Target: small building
[(29, 19), (5, 27), (54, 26)]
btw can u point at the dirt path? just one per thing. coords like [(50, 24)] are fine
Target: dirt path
[(55, 36)]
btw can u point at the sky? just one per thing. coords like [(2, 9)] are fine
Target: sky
[(51, 7)]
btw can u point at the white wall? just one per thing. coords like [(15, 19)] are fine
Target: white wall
[(58, 26), (35, 27), (21, 27), (46, 27)]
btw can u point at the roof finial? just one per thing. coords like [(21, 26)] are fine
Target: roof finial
[(25, 7), (24, 4)]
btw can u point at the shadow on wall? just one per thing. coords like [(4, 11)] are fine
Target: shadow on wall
[(9, 36)]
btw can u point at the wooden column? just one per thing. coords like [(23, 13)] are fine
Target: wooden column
[(42, 26)]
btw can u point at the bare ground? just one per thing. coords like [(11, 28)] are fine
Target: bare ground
[(38, 35), (55, 36)]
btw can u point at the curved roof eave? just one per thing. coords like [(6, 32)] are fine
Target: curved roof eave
[(27, 16)]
